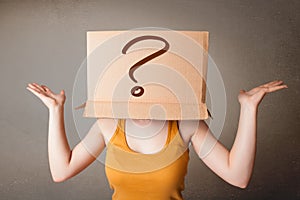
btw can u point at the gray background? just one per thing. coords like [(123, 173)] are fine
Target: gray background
[(252, 42)]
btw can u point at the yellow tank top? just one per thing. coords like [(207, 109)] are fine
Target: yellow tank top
[(158, 176)]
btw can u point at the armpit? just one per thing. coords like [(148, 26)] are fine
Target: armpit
[(187, 128)]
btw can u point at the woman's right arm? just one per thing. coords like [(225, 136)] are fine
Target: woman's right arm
[(64, 162)]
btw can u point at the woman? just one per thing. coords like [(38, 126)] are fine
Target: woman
[(234, 166)]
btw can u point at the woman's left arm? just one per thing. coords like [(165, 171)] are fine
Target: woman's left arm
[(235, 166)]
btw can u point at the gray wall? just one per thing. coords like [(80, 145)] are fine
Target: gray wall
[(252, 42)]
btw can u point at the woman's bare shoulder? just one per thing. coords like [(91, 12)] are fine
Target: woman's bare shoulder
[(107, 127)]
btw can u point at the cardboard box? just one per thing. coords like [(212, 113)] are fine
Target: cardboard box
[(147, 74)]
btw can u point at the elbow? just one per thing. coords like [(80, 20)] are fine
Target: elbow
[(58, 179), (240, 180), (242, 184), (59, 174)]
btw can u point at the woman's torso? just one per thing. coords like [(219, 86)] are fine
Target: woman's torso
[(148, 166)]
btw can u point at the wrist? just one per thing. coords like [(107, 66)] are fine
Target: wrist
[(249, 107), (56, 107)]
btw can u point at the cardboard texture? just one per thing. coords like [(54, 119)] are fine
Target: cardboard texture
[(147, 74)]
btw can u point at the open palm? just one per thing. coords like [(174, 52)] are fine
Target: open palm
[(49, 98), (254, 97)]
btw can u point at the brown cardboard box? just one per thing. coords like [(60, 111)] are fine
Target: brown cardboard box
[(147, 74)]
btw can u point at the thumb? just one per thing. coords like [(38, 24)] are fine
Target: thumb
[(242, 91), (62, 92)]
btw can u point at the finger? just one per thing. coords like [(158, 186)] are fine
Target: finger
[(36, 93), (32, 86), (47, 89), (38, 86), (275, 88), (271, 83), (276, 83), (266, 86)]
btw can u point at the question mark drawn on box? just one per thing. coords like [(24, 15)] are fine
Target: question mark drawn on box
[(138, 91)]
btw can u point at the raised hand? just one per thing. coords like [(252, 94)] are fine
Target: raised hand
[(49, 98), (254, 97)]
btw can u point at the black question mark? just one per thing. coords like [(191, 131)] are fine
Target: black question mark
[(138, 90)]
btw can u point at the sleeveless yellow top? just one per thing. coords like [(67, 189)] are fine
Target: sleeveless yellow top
[(158, 176)]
